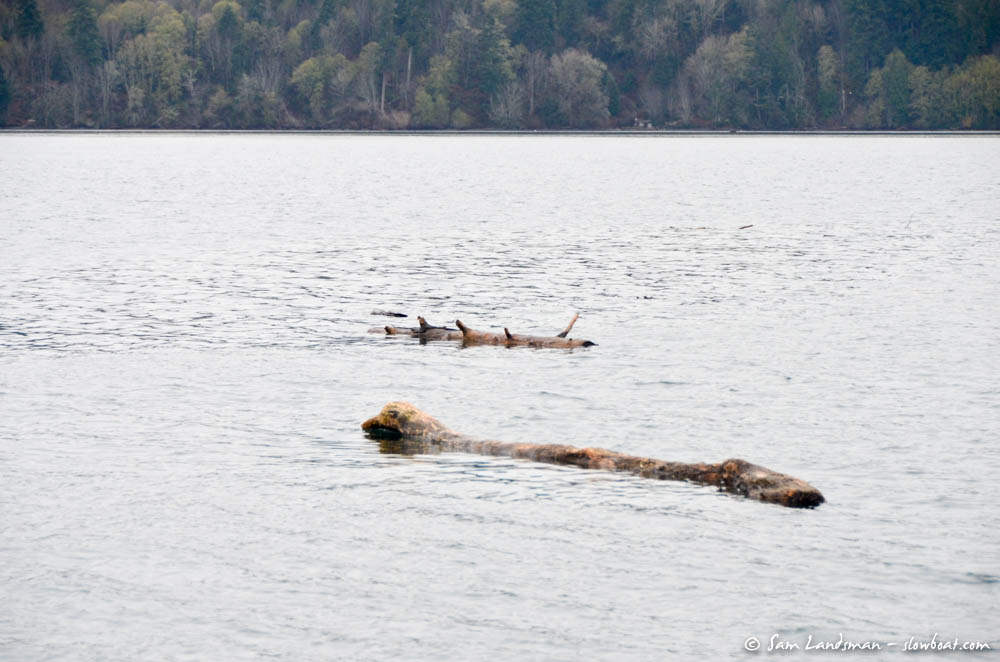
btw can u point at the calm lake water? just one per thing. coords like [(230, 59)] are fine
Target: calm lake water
[(184, 366)]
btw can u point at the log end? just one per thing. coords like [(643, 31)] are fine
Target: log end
[(760, 483), (401, 419)]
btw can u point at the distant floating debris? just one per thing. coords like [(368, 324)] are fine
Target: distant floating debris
[(746, 226), (469, 336), (388, 313)]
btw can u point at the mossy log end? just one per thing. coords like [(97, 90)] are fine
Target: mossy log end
[(469, 336), (401, 420)]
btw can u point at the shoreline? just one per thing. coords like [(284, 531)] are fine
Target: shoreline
[(607, 133)]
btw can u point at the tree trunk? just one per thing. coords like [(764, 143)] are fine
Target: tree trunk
[(409, 68), (381, 103)]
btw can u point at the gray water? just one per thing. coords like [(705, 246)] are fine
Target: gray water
[(184, 366)]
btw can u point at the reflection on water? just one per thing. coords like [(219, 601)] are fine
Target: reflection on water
[(185, 364)]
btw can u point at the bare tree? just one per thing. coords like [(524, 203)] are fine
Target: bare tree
[(536, 68), (507, 105)]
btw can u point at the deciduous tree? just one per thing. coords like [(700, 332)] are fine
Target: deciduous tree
[(576, 88)]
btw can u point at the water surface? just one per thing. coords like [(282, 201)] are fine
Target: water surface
[(184, 366)]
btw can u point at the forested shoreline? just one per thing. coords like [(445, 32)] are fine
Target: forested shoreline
[(504, 64)]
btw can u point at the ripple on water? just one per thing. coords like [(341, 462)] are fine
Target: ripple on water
[(183, 372)]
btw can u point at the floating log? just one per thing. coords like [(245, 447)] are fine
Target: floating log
[(403, 421), (425, 331), (472, 337)]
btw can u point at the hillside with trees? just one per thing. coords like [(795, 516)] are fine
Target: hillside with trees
[(532, 64)]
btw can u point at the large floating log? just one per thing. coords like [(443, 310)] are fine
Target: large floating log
[(472, 337), (401, 420)]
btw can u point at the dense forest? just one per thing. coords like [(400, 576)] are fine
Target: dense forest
[(534, 64)]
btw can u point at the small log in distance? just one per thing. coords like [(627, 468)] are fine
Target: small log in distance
[(401, 420), (472, 337)]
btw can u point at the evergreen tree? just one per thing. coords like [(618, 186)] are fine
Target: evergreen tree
[(326, 13), (413, 23), (85, 39), (978, 26), (610, 87), (536, 24), (936, 40), (869, 37), (258, 11), (776, 74), (4, 97), (896, 85), (493, 68), (29, 20), (228, 25), (571, 16)]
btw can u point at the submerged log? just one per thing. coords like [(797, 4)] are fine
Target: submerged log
[(472, 337), (401, 420), (425, 331)]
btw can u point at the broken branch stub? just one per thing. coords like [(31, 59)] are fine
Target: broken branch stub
[(401, 420)]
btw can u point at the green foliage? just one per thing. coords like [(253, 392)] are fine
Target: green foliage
[(776, 74), (610, 88), (320, 82), (536, 24), (828, 74), (255, 107), (430, 111), (228, 23), (717, 74), (52, 106), (888, 93), (220, 111), (461, 119), (975, 89), (896, 88), (577, 89), (775, 64), (29, 20), (4, 97), (927, 98), (85, 39), (493, 59), (259, 11), (899, 95)]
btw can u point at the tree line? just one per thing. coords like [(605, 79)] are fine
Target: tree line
[(516, 64)]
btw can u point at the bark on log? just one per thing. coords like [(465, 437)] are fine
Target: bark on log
[(401, 420)]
